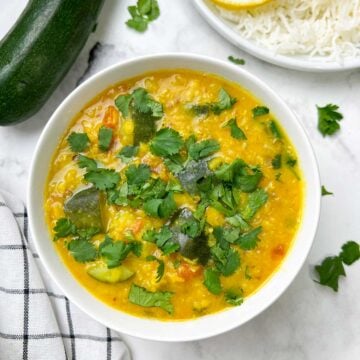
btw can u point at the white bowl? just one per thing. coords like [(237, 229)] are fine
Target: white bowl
[(209, 325)]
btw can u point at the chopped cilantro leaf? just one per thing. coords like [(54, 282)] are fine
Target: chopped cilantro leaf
[(127, 153), (227, 261), (78, 141), (162, 239), (103, 179), (260, 111), (105, 138), (86, 162), (122, 102), (82, 250), (114, 252), (255, 201), (141, 14), (239, 222), (235, 131), (330, 271), (212, 281), (249, 240), (63, 228), (161, 268), (142, 297), (276, 162), (325, 192), (236, 61), (166, 142), (350, 252), (162, 208), (290, 161), (137, 174), (203, 149), (234, 298), (328, 119), (275, 130)]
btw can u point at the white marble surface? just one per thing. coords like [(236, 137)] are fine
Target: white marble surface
[(308, 321)]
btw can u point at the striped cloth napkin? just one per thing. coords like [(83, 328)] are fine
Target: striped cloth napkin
[(36, 321)]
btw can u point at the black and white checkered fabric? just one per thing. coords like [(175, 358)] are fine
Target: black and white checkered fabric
[(37, 321)]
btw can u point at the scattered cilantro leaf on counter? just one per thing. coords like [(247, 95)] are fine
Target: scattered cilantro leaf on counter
[(127, 153), (78, 141), (276, 162), (87, 163), (103, 179), (166, 142), (325, 192), (328, 119), (249, 240), (203, 149), (82, 250), (330, 271), (234, 298), (142, 297), (105, 137), (142, 13), (260, 111), (161, 267), (236, 60), (331, 268), (235, 131), (63, 228), (212, 281), (350, 252)]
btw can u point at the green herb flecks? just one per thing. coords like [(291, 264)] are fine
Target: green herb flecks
[(236, 60), (328, 119)]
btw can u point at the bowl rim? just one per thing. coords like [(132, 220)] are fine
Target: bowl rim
[(152, 329), (300, 63)]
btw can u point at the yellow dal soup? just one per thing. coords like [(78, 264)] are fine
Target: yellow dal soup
[(174, 195)]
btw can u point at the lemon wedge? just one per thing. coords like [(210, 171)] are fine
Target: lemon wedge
[(239, 4)]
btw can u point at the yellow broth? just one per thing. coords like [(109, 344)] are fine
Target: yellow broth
[(279, 217)]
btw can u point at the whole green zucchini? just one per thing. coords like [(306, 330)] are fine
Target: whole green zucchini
[(39, 50)]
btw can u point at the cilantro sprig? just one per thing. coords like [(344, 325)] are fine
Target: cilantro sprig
[(328, 119), (78, 142), (142, 13)]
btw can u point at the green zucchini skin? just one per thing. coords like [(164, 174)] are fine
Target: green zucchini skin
[(39, 50)]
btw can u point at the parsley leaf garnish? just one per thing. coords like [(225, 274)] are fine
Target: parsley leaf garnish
[(140, 296), (144, 12), (166, 142), (325, 192), (82, 250), (127, 153), (212, 281), (105, 138), (78, 141), (260, 111), (103, 179), (236, 61), (350, 252), (86, 162), (203, 149), (328, 119), (161, 268), (235, 131)]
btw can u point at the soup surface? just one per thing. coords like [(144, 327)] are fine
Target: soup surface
[(174, 195)]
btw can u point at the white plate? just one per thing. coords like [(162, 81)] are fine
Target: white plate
[(304, 63)]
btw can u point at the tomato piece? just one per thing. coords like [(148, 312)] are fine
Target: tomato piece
[(111, 117), (138, 225), (187, 271)]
